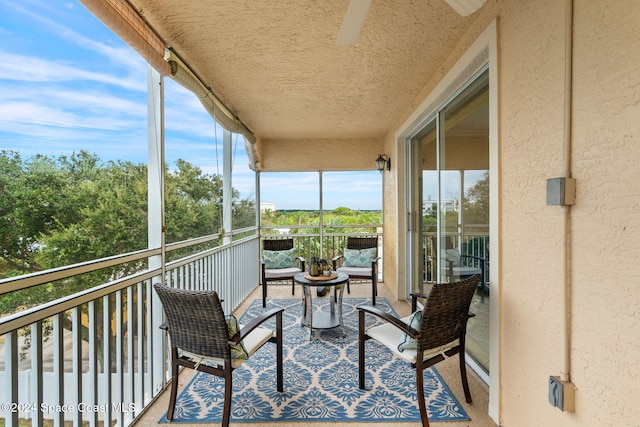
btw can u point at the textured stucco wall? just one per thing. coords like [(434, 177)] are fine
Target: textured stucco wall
[(604, 227), (531, 52), (604, 223), (319, 154), (606, 219)]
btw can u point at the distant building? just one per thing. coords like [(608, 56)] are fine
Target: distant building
[(429, 206), (267, 206)]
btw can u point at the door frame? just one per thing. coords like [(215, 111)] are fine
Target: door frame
[(482, 53)]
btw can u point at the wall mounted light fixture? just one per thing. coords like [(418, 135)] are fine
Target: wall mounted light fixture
[(382, 161)]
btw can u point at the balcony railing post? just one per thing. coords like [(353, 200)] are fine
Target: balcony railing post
[(106, 356), (76, 360), (11, 376), (58, 367), (92, 374), (36, 374)]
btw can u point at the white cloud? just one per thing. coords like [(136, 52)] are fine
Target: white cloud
[(24, 68), (68, 83)]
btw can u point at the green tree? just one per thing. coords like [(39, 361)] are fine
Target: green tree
[(476, 204), (65, 210), (193, 203), (29, 208)]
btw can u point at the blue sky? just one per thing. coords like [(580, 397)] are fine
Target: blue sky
[(68, 83)]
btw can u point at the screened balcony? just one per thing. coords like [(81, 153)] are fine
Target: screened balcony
[(98, 314), (259, 88)]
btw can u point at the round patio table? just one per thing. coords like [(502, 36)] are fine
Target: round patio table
[(321, 319)]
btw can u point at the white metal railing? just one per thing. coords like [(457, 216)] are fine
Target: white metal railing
[(232, 271), (53, 357), (470, 243), (71, 342)]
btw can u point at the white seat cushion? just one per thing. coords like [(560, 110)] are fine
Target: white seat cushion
[(390, 336), (252, 343), (279, 273), (256, 338), (355, 271)]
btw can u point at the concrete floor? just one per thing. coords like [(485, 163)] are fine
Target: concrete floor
[(448, 369)]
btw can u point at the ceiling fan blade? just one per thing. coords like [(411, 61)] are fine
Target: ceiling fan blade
[(465, 7), (353, 20)]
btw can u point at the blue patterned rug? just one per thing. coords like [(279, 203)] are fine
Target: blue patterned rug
[(320, 378)]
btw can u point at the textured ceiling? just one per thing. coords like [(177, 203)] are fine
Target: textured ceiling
[(275, 64)]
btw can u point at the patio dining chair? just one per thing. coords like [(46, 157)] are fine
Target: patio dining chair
[(360, 261), (426, 336), (279, 262), (204, 339)]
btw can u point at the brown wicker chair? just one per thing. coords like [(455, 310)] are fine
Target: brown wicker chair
[(276, 274), (360, 272), (440, 333), (200, 339)]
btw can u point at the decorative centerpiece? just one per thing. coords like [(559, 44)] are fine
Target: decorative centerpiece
[(318, 266), (320, 269), (326, 270), (314, 267)]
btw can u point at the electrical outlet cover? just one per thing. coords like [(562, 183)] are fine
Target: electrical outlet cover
[(556, 392)]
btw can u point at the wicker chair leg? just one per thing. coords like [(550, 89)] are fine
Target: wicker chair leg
[(374, 290), (361, 340), (264, 293), (293, 286), (279, 354), (374, 282), (228, 386), (420, 386), (174, 384), (463, 374)]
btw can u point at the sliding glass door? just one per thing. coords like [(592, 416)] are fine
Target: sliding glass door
[(450, 192)]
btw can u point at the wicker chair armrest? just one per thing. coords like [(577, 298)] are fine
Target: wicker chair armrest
[(414, 299), (418, 295), (398, 323), (334, 261), (249, 327), (164, 326)]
